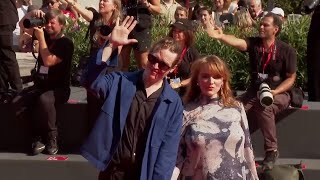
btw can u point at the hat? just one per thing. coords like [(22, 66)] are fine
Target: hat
[(278, 11), (182, 24)]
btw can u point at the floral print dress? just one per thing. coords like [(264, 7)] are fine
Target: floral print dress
[(215, 144)]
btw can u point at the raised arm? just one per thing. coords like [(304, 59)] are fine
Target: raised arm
[(86, 14), (153, 6), (231, 40)]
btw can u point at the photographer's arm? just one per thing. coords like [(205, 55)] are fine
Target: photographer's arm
[(48, 58), (285, 85), (86, 14), (231, 40)]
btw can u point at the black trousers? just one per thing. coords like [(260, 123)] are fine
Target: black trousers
[(313, 57), (9, 69), (39, 106)]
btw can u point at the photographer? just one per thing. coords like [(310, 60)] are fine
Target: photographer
[(272, 63), (51, 79), (313, 53)]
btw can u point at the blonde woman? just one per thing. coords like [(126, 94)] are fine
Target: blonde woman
[(243, 19), (215, 141)]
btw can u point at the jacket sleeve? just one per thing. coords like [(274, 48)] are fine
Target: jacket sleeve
[(167, 155), (101, 84)]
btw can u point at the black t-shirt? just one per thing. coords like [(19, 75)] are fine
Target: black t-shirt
[(184, 67), (59, 74), (129, 154), (284, 60)]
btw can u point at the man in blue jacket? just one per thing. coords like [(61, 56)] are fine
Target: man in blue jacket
[(137, 133)]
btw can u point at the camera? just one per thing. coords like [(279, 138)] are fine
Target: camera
[(34, 22), (105, 30), (310, 5), (265, 95)]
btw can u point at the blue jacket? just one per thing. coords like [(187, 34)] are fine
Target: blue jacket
[(117, 90)]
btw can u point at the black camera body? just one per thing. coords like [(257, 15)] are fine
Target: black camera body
[(34, 22), (310, 5)]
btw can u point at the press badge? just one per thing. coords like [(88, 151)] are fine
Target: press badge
[(176, 80), (262, 76), (43, 70)]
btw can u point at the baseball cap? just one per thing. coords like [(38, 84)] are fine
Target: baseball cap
[(278, 11), (182, 24)]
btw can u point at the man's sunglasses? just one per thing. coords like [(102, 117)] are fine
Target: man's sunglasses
[(154, 60)]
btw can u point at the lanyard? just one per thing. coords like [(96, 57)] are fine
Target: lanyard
[(175, 71), (271, 53)]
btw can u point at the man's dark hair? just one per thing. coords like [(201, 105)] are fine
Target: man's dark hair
[(55, 13), (170, 44), (276, 21)]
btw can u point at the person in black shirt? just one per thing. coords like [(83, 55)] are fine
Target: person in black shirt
[(51, 81), (9, 69), (273, 62)]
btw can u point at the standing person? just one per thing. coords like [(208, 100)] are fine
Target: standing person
[(101, 24), (273, 62), (206, 17), (215, 141), (181, 13), (9, 69), (142, 10), (255, 9), (182, 31), (313, 57), (137, 133), (168, 9), (51, 81)]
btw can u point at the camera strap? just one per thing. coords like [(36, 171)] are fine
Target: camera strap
[(175, 71), (271, 55)]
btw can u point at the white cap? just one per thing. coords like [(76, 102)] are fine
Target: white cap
[(278, 11)]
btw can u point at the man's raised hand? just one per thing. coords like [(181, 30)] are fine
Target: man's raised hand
[(120, 33), (214, 32)]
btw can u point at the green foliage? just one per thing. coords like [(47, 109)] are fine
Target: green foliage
[(294, 33), (77, 34)]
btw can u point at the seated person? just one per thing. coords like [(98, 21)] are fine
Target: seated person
[(51, 81), (273, 62)]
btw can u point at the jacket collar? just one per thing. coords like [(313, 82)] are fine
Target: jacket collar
[(167, 94)]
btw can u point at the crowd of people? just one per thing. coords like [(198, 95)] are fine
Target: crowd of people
[(174, 118)]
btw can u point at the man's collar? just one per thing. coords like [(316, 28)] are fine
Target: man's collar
[(167, 94)]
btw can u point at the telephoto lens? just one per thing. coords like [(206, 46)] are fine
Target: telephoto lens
[(265, 95), (34, 22)]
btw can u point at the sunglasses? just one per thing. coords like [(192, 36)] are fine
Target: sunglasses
[(154, 60)]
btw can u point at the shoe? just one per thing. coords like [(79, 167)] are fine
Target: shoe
[(52, 146), (270, 159), (37, 146)]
